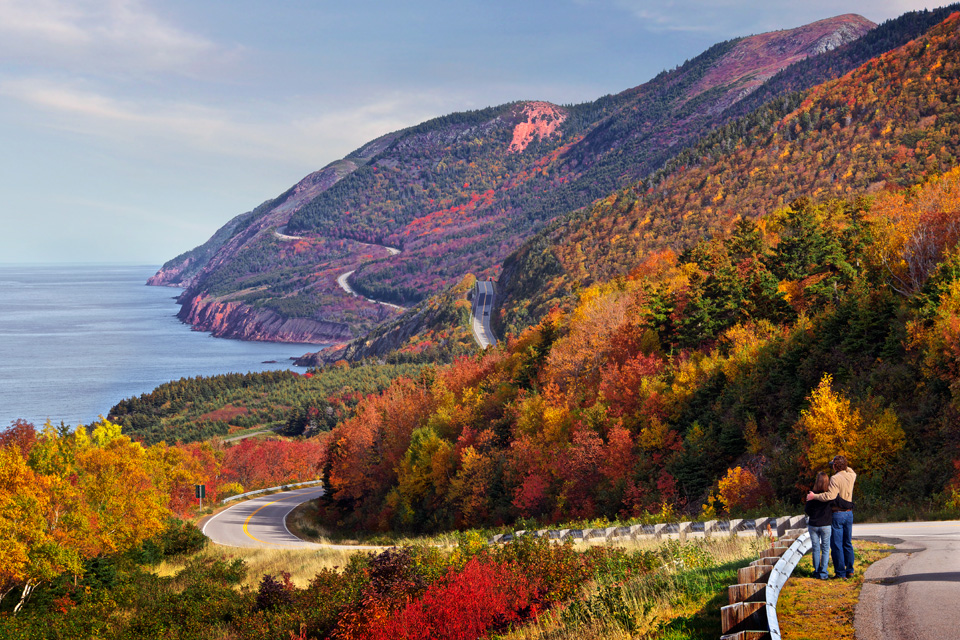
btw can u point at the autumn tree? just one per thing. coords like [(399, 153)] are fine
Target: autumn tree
[(75, 496), (831, 426)]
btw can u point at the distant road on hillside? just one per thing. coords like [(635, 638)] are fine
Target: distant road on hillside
[(481, 310), (343, 278)]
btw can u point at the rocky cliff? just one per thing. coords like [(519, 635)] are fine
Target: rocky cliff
[(237, 320)]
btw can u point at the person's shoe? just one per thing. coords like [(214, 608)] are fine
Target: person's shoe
[(838, 577)]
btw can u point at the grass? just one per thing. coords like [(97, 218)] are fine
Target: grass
[(812, 609), (679, 600), (303, 523), (301, 564)]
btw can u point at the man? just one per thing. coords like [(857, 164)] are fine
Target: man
[(840, 490)]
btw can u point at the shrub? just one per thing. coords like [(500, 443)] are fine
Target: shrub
[(484, 596), (274, 594)]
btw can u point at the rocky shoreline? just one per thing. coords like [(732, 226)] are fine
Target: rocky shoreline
[(242, 322)]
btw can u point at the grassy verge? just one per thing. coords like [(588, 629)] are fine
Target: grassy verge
[(679, 600), (301, 564), (303, 523), (810, 609)]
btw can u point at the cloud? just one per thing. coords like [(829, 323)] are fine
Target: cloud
[(729, 18), (302, 131), (101, 35)]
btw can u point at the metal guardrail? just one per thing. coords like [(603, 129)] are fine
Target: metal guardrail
[(283, 487), (752, 612), (781, 571), (682, 530)]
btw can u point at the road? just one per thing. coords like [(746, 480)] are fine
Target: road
[(343, 278), (913, 594), (279, 232), (261, 522), (480, 314)]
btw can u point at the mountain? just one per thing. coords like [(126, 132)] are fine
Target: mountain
[(531, 284), (416, 210), (890, 122), (787, 290)]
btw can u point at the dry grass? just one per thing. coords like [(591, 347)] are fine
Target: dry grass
[(812, 609), (301, 564), (303, 523)]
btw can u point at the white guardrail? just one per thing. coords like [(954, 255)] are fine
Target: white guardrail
[(681, 530), (781, 572), (752, 612), (283, 487)]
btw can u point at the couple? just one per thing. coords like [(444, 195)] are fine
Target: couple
[(829, 512)]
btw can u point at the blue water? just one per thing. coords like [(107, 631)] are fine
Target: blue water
[(75, 340)]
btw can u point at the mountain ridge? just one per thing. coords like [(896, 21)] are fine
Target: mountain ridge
[(458, 193), (782, 151)]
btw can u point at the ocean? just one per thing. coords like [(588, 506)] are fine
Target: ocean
[(77, 339)]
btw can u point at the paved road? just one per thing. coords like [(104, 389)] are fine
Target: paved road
[(343, 277), (914, 594), (481, 310), (260, 522), (279, 232)]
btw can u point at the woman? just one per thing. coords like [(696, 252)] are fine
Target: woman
[(819, 521)]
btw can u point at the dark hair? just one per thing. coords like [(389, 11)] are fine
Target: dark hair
[(822, 483), (839, 463)]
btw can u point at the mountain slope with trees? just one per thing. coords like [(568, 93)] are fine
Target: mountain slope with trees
[(891, 122), (720, 336), (459, 193)]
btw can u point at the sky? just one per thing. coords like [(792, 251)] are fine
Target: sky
[(130, 130)]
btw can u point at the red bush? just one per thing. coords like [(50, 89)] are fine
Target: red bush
[(464, 606)]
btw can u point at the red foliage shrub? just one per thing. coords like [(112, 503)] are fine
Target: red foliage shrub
[(484, 596)]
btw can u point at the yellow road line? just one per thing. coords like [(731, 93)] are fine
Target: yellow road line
[(247, 521)]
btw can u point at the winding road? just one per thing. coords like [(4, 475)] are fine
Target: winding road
[(914, 593), (343, 278), (261, 523)]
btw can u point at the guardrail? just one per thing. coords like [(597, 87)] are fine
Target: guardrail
[(283, 487), (752, 612), (680, 530)]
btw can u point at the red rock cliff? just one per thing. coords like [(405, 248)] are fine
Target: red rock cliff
[(236, 320)]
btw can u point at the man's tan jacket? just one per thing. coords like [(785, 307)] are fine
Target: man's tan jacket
[(841, 484)]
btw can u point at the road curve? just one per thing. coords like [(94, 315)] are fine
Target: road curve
[(913, 594), (342, 280), (261, 523)]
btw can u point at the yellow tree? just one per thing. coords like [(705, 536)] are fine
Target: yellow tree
[(833, 426), (830, 424), (127, 505), (76, 496), (29, 551)]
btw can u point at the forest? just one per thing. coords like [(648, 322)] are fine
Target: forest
[(69, 497), (194, 409), (891, 122), (754, 356)]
